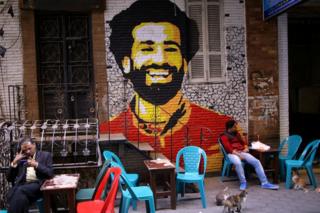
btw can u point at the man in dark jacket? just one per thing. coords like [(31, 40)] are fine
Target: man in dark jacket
[(237, 149), (28, 170)]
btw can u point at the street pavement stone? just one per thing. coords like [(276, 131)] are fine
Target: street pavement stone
[(258, 201)]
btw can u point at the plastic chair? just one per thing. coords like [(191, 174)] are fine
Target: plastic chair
[(293, 142), (305, 161), (132, 177), (3, 211), (97, 205), (132, 194), (191, 160), (40, 205), (227, 164), (87, 193)]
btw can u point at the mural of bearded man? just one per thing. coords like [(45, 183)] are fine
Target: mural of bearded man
[(152, 45)]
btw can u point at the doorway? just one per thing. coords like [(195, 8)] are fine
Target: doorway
[(304, 77), (64, 65)]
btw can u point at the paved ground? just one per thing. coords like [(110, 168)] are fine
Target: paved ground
[(258, 201)]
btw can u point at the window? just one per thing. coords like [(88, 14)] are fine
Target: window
[(206, 65)]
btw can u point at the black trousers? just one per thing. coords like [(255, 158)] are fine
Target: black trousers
[(22, 196)]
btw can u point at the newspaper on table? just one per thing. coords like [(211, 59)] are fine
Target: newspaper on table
[(259, 145)]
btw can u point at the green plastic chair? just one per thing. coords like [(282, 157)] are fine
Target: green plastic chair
[(304, 162), (110, 156), (88, 193), (293, 142), (191, 162)]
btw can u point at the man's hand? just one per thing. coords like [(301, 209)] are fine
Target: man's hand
[(246, 149), (18, 157), (238, 154), (33, 163)]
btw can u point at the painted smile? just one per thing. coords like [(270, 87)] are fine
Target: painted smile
[(160, 76), (159, 73)]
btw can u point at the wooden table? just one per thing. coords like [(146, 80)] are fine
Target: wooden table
[(163, 168), (65, 183), (262, 156)]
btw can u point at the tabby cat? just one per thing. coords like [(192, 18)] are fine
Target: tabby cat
[(234, 202), (222, 195), (299, 182)]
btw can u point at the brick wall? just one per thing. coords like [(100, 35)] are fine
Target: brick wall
[(263, 91)]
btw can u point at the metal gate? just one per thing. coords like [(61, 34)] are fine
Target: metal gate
[(64, 63)]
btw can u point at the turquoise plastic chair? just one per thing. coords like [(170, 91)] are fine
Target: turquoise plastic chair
[(40, 205), (88, 193), (304, 162), (110, 156), (293, 142), (132, 194), (3, 211), (191, 162), (227, 164)]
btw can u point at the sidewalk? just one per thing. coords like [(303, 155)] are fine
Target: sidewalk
[(258, 200)]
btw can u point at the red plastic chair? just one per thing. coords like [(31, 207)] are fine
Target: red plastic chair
[(102, 206)]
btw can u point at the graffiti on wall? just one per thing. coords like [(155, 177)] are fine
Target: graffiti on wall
[(150, 47)]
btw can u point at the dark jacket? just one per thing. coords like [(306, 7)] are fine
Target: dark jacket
[(44, 170)]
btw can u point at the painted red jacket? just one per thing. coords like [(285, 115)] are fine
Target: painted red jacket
[(211, 123), (231, 143)]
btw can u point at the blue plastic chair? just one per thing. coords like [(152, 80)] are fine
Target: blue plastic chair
[(227, 164), (40, 205), (110, 156), (191, 160), (88, 193), (131, 194), (305, 162), (293, 142)]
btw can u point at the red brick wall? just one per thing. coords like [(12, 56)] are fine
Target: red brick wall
[(263, 87)]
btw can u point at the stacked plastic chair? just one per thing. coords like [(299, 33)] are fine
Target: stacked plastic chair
[(87, 193), (292, 142), (304, 162), (103, 206), (111, 157), (132, 194), (191, 161)]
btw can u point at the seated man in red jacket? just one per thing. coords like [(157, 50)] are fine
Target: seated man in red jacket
[(237, 149)]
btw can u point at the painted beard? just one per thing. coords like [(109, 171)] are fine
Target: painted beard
[(156, 93)]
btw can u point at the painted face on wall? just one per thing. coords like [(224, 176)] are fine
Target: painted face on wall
[(156, 66)]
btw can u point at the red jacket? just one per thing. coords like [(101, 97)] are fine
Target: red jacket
[(231, 143)]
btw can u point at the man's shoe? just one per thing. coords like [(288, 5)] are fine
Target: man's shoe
[(269, 186), (243, 186)]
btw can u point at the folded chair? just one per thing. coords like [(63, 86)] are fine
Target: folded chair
[(103, 206), (292, 142), (87, 193), (304, 162), (132, 177), (191, 162)]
